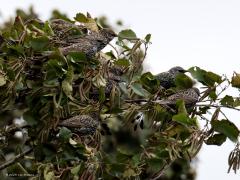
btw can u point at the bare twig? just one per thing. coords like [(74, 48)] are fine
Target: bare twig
[(216, 106), (136, 100), (160, 173), (15, 159)]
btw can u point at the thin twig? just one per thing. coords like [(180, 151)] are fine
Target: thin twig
[(216, 106), (15, 159), (162, 170), (115, 49), (136, 100), (224, 114)]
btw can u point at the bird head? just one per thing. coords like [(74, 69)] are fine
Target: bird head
[(196, 90), (176, 70)]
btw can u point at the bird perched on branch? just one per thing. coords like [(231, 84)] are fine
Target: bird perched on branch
[(167, 79), (91, 43), (83, 125), (189, 96)]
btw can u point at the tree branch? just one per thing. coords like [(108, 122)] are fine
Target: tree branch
[(216, 106), (16, 158), (162, 170)]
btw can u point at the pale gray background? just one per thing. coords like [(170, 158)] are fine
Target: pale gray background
[(205, 33)]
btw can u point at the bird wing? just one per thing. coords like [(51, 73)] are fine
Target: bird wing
[(166, 79), (77, 121), (189, 96)]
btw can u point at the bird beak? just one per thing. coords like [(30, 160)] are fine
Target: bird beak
[(184, 71)]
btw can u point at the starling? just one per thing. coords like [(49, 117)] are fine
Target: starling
[(115, 74), (167, 79), (91, 43), (189, 96), (83, 125), (59, 25)]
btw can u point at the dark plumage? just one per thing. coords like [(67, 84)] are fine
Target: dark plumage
[(81, 124), (189, 96), (91, 43), (167, 79)]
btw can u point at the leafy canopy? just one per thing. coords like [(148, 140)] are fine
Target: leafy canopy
[(46, 88)]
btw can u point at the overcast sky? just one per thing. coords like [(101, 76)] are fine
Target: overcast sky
[(189, 33)]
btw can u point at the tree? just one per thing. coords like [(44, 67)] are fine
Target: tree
[(88, 113)]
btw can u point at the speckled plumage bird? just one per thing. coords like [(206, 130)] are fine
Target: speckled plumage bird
[(91, 43), (189, 96), (83, 125), (167, 79)]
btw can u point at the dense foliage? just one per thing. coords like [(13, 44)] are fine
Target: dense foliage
[(45, 86)]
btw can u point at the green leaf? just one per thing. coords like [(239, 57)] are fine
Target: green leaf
[(213, 95), (51, 83), (138, 89), (122, 62), (197, 73), (48, 175), (127, 34), (181, 107), (111, 54), (207, 78), (227, 101), (2, 80), (76, 169), (136, 160), (81, 18), (183, 81), (18, 49), (99, 81), (115, 169), (227, 128), (101, 95), (70, 74), (236, 80), (18, 24), (183, 119), (65, 134), (77, 57), (129, 173), (216, 139), (89, 22), (212, 78), (67, 88), (149, 82), (54, 69), (58, 15), (39, 43), (155, 164), (30, 118), (47, 28), (147, 38)]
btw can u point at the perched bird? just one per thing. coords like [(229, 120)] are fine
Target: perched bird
[(167, 79), (115, 74), (91, 43), (83, 125), (60, 25), (189, 96)]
